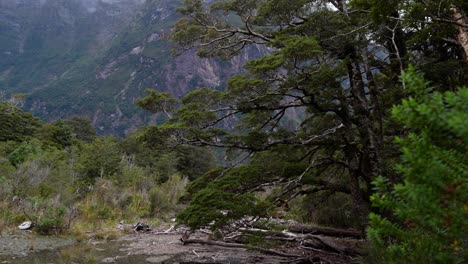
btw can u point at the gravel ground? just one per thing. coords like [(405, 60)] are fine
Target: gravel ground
[(167, 248), (26, 247), (22, 243)]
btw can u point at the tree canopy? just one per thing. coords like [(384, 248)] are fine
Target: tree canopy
[(16, 125), (317, 104)]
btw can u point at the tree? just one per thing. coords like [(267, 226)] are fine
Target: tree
[(55, 134), (15, 124), (100, 158), (433, 35), (194, 162), (428, 208), (160, 159), (81, 128), (314, 108)]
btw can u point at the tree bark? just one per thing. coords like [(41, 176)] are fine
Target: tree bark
[(462, 36)]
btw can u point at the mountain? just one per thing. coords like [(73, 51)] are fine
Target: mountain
[(95, 57)]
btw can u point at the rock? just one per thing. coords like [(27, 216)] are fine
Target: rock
[(158, 259), (141, 227), (109, 260), (26, 225), (123, 226)]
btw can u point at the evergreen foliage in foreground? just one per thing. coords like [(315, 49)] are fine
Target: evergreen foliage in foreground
[(429, 208)]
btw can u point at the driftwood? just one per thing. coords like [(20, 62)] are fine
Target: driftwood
[(326, 231), (236, 245), (306, 240), (328, 245), (323, 240), (141, 227), (138, 227)]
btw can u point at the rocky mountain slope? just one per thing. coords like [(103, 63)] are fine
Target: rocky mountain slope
[(95, 57)]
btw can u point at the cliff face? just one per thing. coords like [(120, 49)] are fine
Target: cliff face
[(95, 57)]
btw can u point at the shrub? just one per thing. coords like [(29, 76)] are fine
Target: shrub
[(48, 215), (164, 197)]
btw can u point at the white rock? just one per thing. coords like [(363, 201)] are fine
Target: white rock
[(26, 225)]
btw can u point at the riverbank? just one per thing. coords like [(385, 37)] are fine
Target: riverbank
[(25, 247), (157, 246)]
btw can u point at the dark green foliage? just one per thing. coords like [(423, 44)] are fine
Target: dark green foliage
[(161, 159), (193, 162), (81, 128), (55, 134), (15, 124), (428, 208), (23, 152), (144, 156), (220, 204), (233, 195), (157, 101), (53, 221), (100, 158), (327, 209)]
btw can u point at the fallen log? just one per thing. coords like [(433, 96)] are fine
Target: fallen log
[(236, 245), (326, 231), (326, 244)]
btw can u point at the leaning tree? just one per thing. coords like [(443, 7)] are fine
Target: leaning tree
[(310, 116)]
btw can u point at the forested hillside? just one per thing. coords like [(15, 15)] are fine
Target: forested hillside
[(343, 138), (96, 57)]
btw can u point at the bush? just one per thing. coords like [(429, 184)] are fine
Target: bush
[(164, 197), (48, 215), (101, 202), (49, 225)]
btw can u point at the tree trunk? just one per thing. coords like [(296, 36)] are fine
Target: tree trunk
[(462, 36)]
